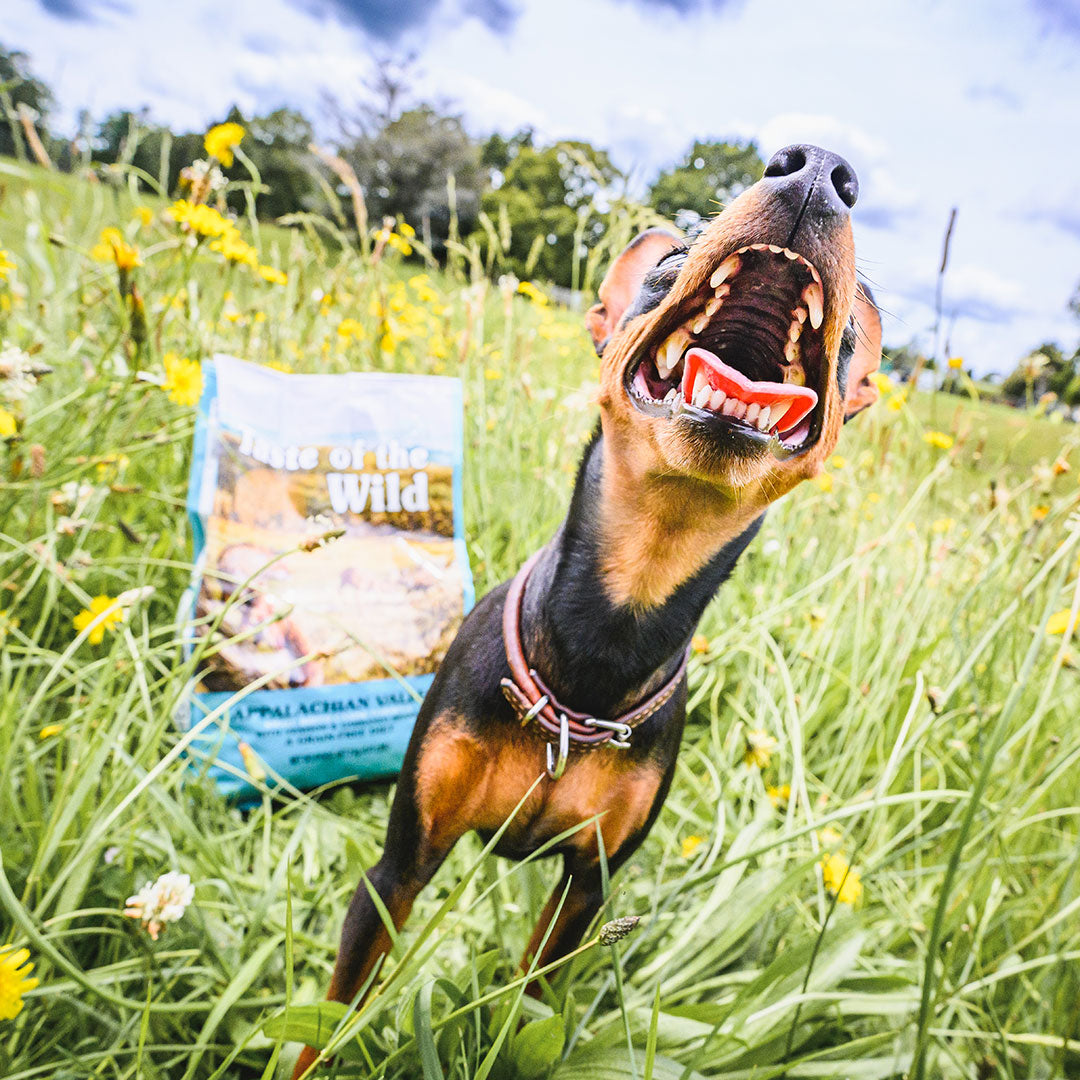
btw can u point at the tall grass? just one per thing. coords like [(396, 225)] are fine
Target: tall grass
[(887, 629)]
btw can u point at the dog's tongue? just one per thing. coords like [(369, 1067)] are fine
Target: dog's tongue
[(788, 402)]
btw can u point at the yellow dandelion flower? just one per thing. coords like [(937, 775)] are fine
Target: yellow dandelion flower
[(527, 288), (779, 796), (273, 275), (49, 730), (759, 748), (351, 330), (15, 980), (236, 249), (1039, 513), (406, 230), (1060, 466), (491, 374), (896, 403), (840, 879), (956, 362), (8, 427), (203, 220), (183, 379), (699, 643), (884, 384), (112, 247), (938, 439), (144, 215), (690, 844), (221, 140), (106, 611), (838, 461), (1058, 623), (824, 481), (6, 265)]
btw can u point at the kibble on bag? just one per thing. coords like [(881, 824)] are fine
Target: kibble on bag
[(330, 570)]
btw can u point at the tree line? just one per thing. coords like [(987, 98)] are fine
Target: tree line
[(533, 207), (520, 204)]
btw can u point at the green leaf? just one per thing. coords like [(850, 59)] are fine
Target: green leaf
[(313, 1025), (425, 1037), (538, 1046)]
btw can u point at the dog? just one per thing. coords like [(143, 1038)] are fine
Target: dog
[(730, 359)]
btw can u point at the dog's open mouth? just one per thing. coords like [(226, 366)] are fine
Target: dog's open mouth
[(746, 353)]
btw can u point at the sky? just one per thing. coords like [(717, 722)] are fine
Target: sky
[(936, 104)]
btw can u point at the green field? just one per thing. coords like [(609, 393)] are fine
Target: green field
[(887, 629)]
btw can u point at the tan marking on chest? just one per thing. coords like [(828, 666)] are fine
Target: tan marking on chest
[(463, 784)]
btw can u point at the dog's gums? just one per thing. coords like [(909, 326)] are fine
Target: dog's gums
[(746, 352)]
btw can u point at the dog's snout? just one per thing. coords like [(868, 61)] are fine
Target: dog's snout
[(812, 181)]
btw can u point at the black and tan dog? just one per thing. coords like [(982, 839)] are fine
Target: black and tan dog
[(730, 360)]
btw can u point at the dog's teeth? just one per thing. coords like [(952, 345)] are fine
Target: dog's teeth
[(778, 409), (814, 298), (788, 253), (669, 397), (713, 306), (795, 375), (725, 270), (699, 324), (670, 352), (799, 315), (699, 381), (701, 396), (740, 410), (730, 406), (775, 249), (791, 352), (794, 330), (763, 419), (752, 412), (722, 291), (716, 400)]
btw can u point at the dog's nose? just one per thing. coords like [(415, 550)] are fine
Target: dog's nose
[(812, 181)]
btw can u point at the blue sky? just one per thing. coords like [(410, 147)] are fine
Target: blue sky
[(935, 104)]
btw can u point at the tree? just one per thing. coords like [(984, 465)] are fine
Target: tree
[(551, 199), (405, 167), (709, 175), (18, 86)]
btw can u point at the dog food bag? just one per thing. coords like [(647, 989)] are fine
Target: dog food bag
[(330, 568)]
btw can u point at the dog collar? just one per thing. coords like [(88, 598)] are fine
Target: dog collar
[(531, 699)]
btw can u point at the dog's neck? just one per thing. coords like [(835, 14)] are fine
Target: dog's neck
[(600, 654)]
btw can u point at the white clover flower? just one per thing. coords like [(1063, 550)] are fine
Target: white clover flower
[(73, 495), (162, 902), (18, 374), (202, 174)]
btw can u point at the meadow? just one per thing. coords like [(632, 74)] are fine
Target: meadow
[(869, 863)]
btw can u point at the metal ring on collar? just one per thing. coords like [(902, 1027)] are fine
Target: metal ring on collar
[(555, 769), (623, 731), (535, 709)]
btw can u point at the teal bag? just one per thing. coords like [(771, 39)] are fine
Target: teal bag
[(331, 572)]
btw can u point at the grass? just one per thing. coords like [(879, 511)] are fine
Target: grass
[(887, 629)]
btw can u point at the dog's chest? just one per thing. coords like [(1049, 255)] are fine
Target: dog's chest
[(463, 784)]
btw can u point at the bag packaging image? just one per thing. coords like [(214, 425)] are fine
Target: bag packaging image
[(318, 648)]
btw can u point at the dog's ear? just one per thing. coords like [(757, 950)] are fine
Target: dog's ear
[(866, 359), (623, 279)]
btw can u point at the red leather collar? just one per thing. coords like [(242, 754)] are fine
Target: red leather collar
[(532, 700)]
